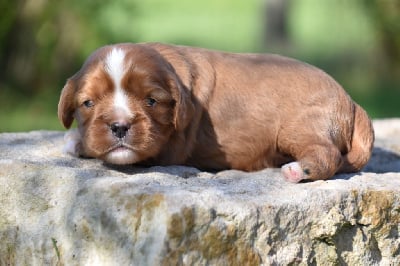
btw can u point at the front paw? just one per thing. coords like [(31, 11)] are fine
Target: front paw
[(72, 144)]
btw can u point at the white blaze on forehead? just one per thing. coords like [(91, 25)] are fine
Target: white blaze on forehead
[(115, 67)]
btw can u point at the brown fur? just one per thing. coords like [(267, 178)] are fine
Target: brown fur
[(221, 111)]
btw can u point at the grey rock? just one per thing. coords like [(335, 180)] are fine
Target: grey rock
[(60, 210)]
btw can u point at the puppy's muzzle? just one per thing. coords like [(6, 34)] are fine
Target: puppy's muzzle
[(119, 130)]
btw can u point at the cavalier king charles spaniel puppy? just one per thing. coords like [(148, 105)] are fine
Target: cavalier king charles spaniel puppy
[(158, 104)]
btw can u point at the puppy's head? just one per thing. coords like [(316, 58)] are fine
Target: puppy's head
[(127, 100)]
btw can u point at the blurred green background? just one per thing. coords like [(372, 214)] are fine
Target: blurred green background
[(44, 42)]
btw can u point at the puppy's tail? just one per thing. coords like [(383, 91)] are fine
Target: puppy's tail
[(361, 143)]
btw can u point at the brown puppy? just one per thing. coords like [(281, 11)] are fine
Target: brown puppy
[(164, 104)]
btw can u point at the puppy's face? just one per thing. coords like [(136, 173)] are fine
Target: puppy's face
[(127, 101)]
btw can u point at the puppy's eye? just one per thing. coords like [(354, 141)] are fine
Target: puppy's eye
[(88, 103), (151, 102)]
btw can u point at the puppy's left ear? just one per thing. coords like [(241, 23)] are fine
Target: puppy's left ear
[(66, 106), (184, 106)]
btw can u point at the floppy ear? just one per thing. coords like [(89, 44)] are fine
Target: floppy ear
[(184, 107), (66, 106)]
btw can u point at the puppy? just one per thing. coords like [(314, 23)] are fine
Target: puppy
[(158, 104)]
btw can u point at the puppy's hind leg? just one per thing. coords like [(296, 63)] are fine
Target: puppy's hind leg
[(313, 161)]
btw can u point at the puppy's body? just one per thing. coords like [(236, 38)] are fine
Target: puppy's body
[(215, 110)]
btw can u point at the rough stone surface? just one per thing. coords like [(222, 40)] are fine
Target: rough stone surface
[(59, 210)]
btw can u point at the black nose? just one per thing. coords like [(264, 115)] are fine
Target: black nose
[(119, 130)]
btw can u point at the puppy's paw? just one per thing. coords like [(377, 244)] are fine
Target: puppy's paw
[(72, 144), (293, 172)]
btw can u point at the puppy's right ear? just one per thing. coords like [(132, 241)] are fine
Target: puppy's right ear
[(66, 105)]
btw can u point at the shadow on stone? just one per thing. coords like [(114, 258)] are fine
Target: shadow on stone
[(383, 161), (177, 170)]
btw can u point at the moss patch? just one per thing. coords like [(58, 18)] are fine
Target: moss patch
[(218, 241)]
